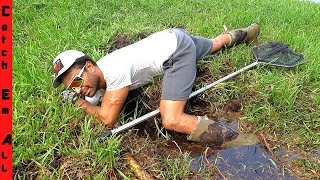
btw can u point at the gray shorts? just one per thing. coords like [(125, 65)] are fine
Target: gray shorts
[(180, 68)]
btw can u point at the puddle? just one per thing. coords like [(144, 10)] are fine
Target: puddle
[(244, 162), (240, 162)]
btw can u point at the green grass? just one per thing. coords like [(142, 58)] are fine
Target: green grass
[(284, 103)]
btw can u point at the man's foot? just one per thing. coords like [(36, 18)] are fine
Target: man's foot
[(212, 133), (248, 35)]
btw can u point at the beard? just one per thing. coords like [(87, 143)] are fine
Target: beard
[(94, 84)]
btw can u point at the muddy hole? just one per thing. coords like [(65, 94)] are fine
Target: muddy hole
[(55, 164)]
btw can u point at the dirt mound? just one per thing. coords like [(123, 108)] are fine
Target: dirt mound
[(120, 41)]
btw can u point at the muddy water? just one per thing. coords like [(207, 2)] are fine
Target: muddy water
[(240, 162), (245, 159), (244, 162)]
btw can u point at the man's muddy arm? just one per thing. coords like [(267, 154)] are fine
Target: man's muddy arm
[(110, 108)]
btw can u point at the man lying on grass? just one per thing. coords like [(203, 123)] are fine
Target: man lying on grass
[(170, 52)]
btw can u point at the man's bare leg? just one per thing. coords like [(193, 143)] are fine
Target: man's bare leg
[(174, 118), (207, 131), (219, 42)]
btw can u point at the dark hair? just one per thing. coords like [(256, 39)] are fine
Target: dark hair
[(79, 63)]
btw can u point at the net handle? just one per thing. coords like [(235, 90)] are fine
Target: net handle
[(223, 79), (157, 111)]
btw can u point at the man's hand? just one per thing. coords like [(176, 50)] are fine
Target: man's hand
[(70, 96)]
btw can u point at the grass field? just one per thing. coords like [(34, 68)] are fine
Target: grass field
[(52, 140)]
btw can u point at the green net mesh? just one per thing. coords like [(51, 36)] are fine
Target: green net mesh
[(278, 54)]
